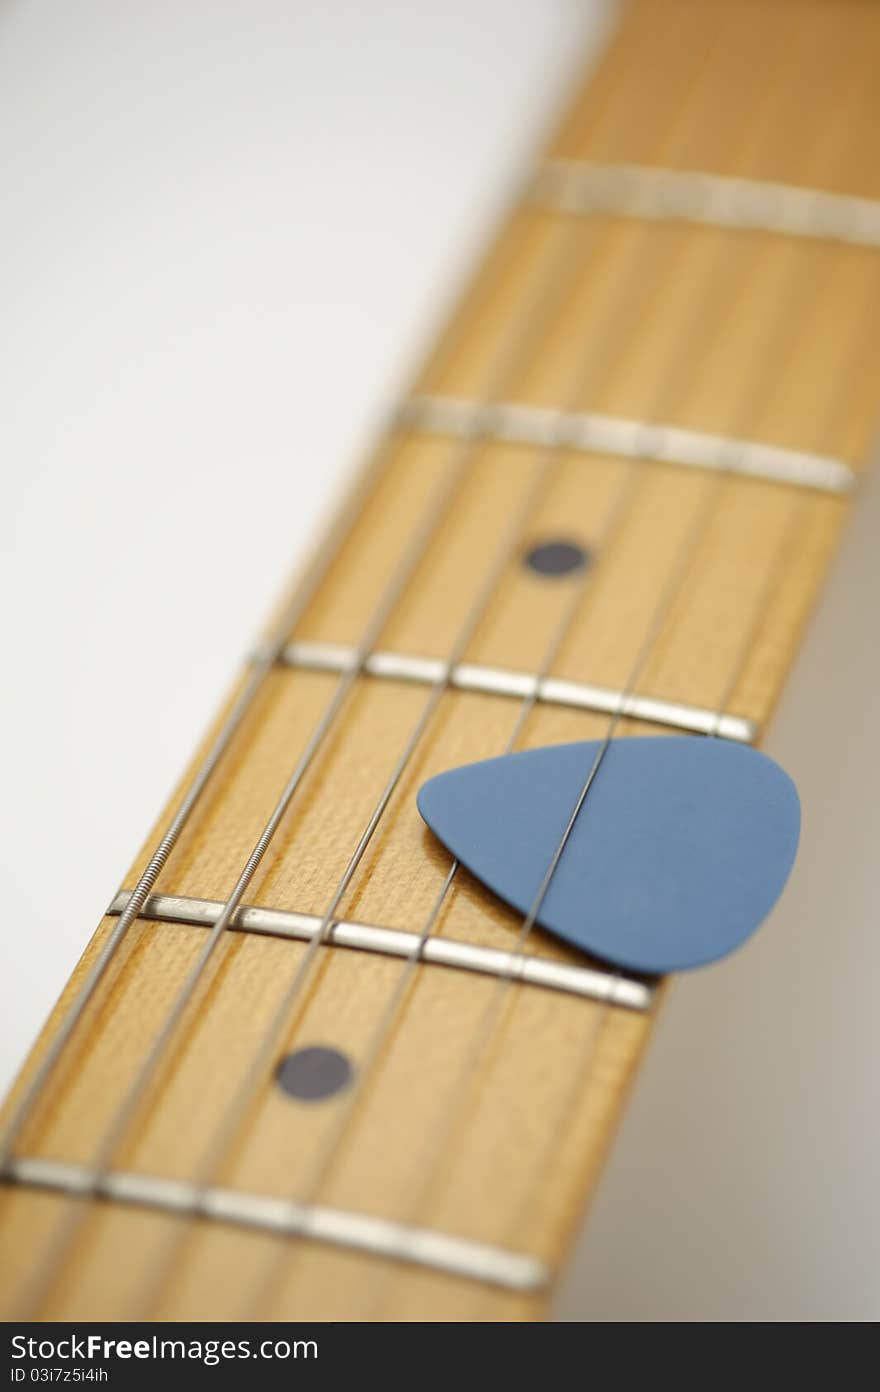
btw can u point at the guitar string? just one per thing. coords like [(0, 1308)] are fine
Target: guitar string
[(545, 465), (469, 1077), (502, 370), (516, 1238), (377, 1039)]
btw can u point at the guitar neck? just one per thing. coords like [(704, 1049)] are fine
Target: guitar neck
[(605, 508)]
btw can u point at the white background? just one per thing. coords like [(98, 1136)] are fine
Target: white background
[(227, 230)]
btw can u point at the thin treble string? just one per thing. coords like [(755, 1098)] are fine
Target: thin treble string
[(486, 1028), (540, 304), (245, 1095), (825, 440)]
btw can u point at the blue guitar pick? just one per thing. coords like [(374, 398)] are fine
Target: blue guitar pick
[(681, 848)]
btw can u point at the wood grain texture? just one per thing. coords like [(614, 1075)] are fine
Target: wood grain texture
[(732, 332)]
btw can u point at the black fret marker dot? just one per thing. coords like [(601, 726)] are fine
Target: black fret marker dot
[(557, 558), (313, 1073)]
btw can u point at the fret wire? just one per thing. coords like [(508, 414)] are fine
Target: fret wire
[(596, 433), (631, 992), (359, 1232), (580, 187), (501, 681), (545, 460), (379, 1038), (540, 303), (468, 1073)]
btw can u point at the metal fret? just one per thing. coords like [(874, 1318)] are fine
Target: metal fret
[(379, 1237), (592, 432), (591, 982), (499, 681), (718, 200)]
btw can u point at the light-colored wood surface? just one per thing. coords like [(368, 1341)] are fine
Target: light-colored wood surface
[(733, 332)]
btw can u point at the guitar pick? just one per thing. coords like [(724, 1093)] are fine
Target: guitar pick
[(681, 848)]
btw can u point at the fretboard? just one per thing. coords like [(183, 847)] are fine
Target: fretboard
[(605, 507)]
